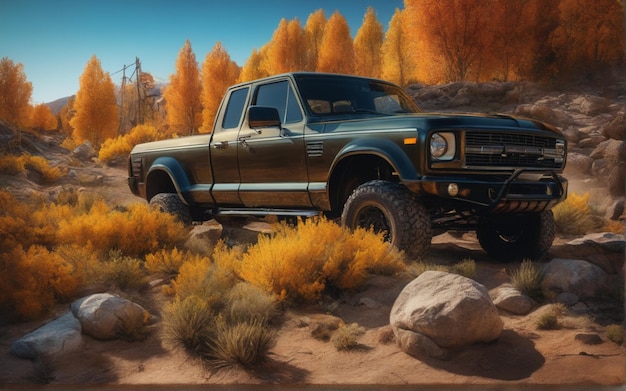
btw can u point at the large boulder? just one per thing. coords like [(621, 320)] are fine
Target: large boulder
[(439, 311), (62, 335), (579, 277), (104, 316)]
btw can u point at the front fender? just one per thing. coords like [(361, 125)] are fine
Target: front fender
[(383, 148), (177, 175)]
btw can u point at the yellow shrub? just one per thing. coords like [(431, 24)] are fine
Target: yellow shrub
[(33, 280), (12, 165), (574, 216), (298, 263), (120, 147), (168, 261), (616, 227), (43, 168)]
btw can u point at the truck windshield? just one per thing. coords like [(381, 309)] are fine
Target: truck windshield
[(339, 95)]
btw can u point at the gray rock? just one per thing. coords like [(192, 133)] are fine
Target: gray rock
[(443, 310), (84, 151), (62, 335), (567, 298), (103, 315), (582, 278), (509, 298)]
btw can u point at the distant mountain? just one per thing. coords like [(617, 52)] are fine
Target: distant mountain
[(57, 105)]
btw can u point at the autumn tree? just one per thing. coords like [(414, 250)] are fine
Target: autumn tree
[(314, 32), (590, 36), (252, 68), (286, 52), (183, 95), (42, 118), (218, 73), (15, 93), (395, 56), (456, 32), (336, 53), (65, 116), (367, 46), (96, 118)]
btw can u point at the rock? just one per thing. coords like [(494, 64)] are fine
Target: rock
[(579, 163), (84, 151), (439, 310), (210, 231), (616, 129), (589, 339), (605, 250), (567, 298), (545, 113), (509, 298), (616, 209), (62, 335), (582, 278), (103, 315), (591, 141), (573, 135), (590, 105)]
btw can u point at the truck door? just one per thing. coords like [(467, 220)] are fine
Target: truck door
[(223, 148), (272, 164)]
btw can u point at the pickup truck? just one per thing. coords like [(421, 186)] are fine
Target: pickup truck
[(361, 151)]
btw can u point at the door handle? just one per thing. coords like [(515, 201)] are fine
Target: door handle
[(220, 145)]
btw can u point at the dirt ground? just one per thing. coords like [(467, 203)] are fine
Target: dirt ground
[(522, 356)]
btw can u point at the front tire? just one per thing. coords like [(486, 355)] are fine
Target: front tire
[(172, 204), (514, 238), (390, 208)]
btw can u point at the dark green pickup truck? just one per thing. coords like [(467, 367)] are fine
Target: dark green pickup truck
[(360, 149)]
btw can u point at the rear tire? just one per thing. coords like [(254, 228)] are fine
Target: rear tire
[(391, 208), (172, 204), (514, 238)]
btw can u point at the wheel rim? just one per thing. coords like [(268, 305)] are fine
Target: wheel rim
[(371, 217)]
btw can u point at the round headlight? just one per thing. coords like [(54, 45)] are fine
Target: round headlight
[(438, 145)]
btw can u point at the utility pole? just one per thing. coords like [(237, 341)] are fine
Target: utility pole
[(120, 129), (139, 119)]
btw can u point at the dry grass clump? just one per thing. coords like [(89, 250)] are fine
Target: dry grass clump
[(550, 319), (41, 166), (465, 268), (346, 337), (615, 333), (528, 278), (12, 164)]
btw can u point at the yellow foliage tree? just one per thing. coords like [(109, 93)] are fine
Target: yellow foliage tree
[(314, 32), (287, 50), (42, 118), (395, 58), (367, 46), (95, 117), (252, 68), (65, 116), (218, 73), (15, 93), (183, 95), (336, 53)]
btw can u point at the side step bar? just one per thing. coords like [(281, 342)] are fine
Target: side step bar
[(265, 212)]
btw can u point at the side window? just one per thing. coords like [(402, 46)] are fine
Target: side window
[(234, 108), (281, 96)]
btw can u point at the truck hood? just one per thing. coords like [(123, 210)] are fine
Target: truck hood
[(427, 121), (179, 142)]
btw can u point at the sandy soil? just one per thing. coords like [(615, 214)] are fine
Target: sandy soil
[(522, 355)]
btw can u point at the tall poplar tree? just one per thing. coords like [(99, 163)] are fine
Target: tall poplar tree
[(183, 95), (252, 69), (336, 53), (96, 117), (218, 73), (287, 49), (367, 46), (15, 93), (314, 32), (42, 118), (394, 53)]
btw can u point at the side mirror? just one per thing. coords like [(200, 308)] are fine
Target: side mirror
[(263, 117)]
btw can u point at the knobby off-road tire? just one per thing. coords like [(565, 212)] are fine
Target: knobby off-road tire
[(171, 203), (514, 238), (391, 208)]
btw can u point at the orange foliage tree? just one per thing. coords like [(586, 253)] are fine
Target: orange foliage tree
[(286, 51), (65, 116), (590, 36), (395, 56), (336, 53), (314, 32), (367, 46), (218, 73), (182, 96), (42, 118), (252, 68), (15, 93), (96, 116)]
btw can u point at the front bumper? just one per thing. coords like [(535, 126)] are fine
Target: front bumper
[(524, 191)]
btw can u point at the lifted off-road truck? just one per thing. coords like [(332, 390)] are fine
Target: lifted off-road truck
[(360, 149)]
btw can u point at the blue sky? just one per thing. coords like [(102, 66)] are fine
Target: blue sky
[(54, 39)]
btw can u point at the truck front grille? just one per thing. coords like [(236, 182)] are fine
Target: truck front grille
[(483, 149)]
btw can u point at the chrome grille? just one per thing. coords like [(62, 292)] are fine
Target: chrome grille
[(484, 149)]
